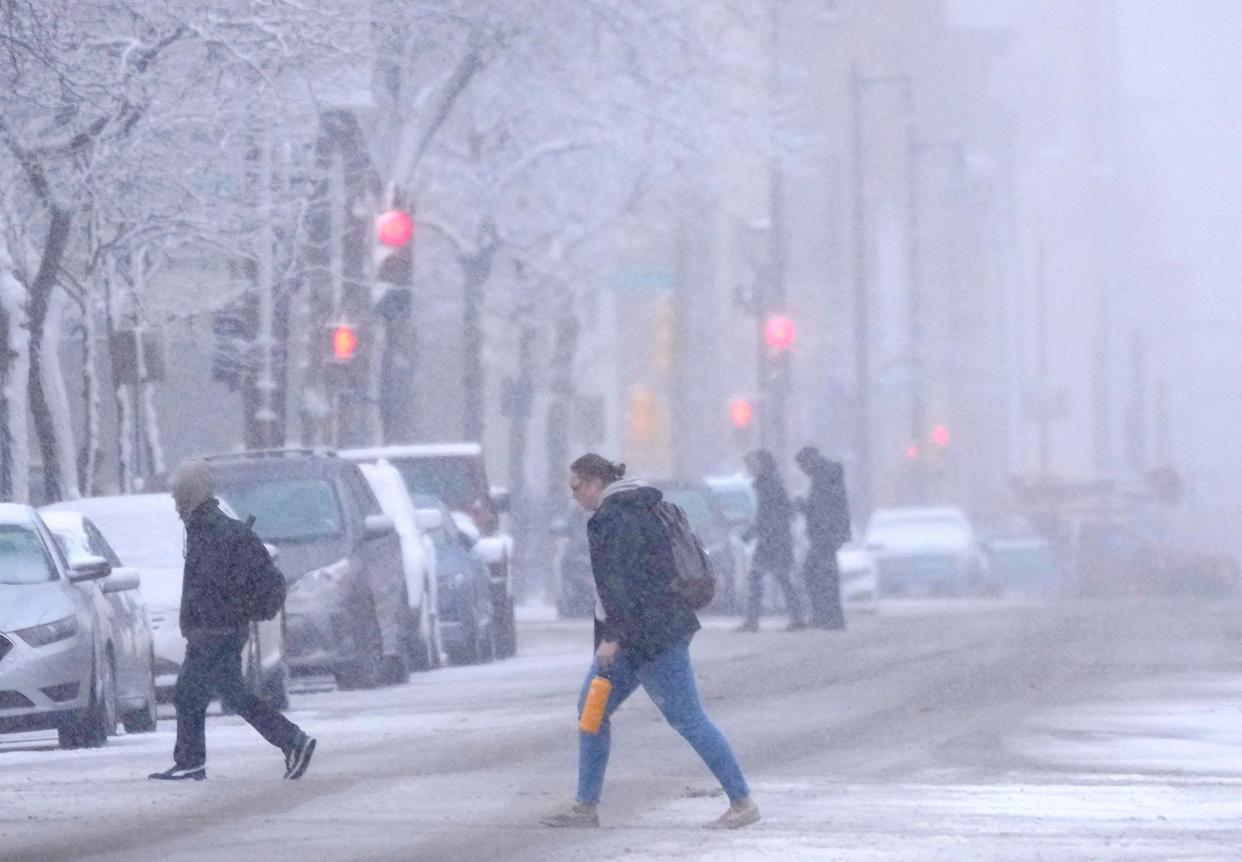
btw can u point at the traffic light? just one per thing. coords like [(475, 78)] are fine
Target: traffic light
[(940, 435), (394, 251), (779, 333), (394, 228), (740, 413), (342, 342), (912, 452)]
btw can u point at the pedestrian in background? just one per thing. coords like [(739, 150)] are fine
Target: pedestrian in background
[(773, 535), (827, 514), (220, 553), (642, 637)]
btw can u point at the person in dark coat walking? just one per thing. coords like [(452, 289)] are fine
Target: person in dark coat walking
[(827, 514), (220, 553), (774, 550), (642, 638)]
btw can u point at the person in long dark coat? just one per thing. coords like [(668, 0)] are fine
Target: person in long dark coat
[(827, 528), (774, 550)]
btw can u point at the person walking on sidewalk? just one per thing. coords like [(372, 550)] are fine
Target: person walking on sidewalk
[(774, 551), (827, 529), (220, 554), (642, 638)]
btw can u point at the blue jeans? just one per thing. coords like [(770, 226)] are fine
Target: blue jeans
[(669, 682)]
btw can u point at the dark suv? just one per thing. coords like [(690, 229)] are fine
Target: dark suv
[(346, 611)]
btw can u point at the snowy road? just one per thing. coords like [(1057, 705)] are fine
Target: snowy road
[(935, 731)]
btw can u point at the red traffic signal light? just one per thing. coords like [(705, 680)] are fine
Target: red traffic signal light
[(740, 413), (940, 435), (344, 342), (912, 452), (394, 228), (779, 332)]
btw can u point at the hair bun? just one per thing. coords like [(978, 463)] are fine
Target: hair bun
[(620, 470)]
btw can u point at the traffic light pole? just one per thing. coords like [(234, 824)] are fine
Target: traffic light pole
[(862, 315), (915, 149)]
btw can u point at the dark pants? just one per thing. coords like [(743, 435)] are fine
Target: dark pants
[(213, 666), (793, 599), (823, 585)]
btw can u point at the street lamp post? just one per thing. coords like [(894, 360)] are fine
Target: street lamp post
[(915, 149), (858, 84)]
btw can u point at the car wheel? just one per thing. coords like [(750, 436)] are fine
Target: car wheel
[(503, 626), (364, 670), (143, 719), (91, 727)]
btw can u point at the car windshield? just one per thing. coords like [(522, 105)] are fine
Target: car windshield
[(451, 479), (738, 503), (287, 510), (23, 559)]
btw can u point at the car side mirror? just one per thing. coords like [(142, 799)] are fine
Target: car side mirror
[(429, 520), (378, 526), (121, 580), (89, 569)]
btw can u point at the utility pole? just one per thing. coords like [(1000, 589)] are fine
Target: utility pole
[(774, 370), (858, 83), (918, 408), (1044, 412), (915, 149)]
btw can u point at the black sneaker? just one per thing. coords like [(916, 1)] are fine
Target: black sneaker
[(181, 773), (298, 756)]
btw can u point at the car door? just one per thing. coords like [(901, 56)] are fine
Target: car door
[(131, 631), (380, 557)]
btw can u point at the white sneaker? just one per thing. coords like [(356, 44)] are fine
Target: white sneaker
[(580, 814), (739, 814)]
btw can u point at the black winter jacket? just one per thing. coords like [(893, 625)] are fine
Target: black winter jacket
[(773, 514), (632, 561), (220, 553), (826, 507)]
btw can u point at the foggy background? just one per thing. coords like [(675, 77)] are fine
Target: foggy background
[(608, 212)]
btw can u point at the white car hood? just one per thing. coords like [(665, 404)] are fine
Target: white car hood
[(161, 589), (26, 605), (906, 542)]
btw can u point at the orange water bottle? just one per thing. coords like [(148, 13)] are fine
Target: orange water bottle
[(596, 702)]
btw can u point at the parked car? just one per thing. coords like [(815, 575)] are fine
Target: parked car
[(456, 474), (735, 497), (926, 551), (1023, 564), (146, 534), (418, 559), (347, 610), (713, 529), (133, 646), (860, 580), (571, 565), (464, 594), (59, 652)]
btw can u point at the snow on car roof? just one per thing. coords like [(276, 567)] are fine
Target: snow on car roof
[(929, 513), (59, 520), (16, 513), (143, 528), (418, 450)]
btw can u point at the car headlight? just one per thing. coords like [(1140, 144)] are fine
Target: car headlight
[(49, 633)]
